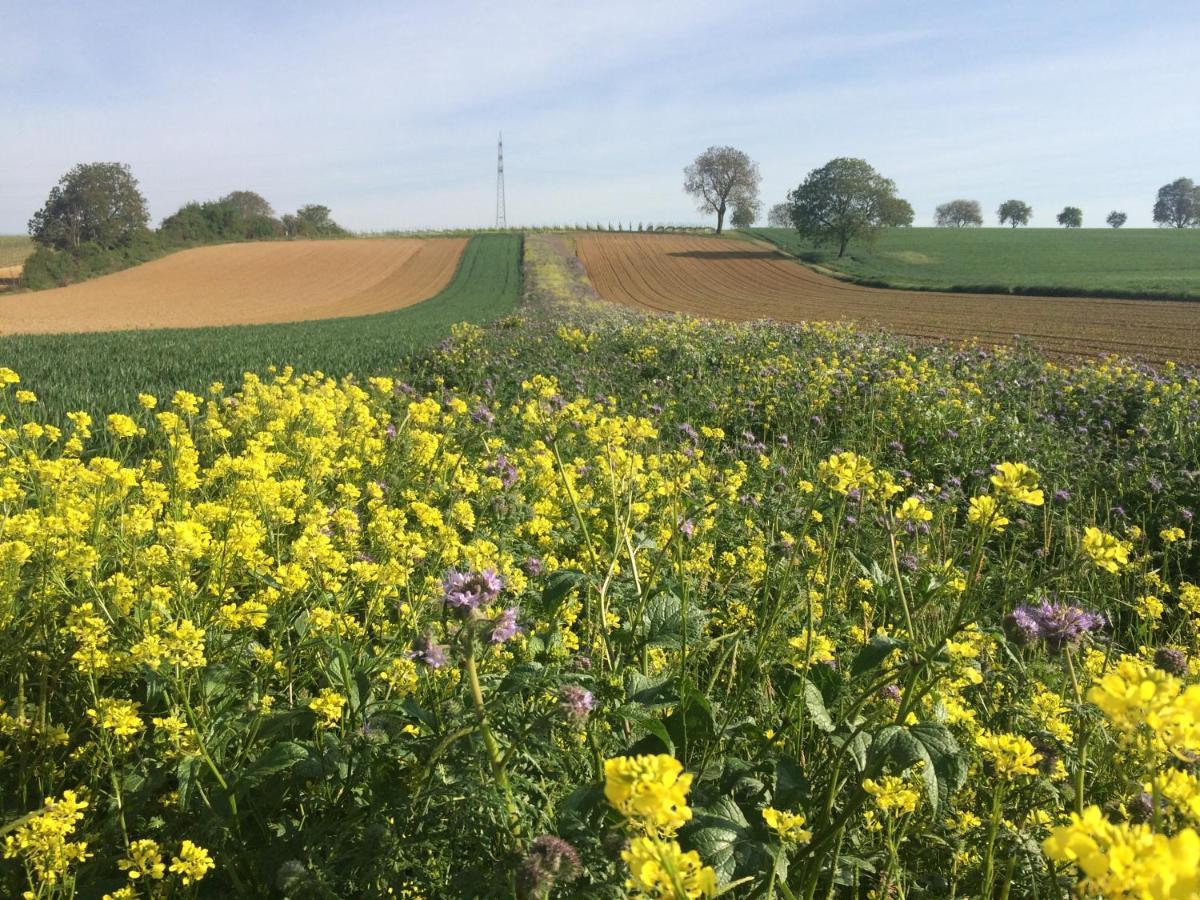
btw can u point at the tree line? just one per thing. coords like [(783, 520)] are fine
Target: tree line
[(847, 199), (96, 220)]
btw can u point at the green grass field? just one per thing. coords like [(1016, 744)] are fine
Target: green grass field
[(105, 371), (1141, 262), (13, 249)]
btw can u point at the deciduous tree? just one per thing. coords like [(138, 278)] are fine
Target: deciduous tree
[(1116, 219), (95, 203), (1178, 204), (780, 216), (1070, 217), (722, 177), (959, 214), (843, 200), (1015, 212), (745, 214)]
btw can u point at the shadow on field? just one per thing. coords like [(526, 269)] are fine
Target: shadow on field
[(729, 254)]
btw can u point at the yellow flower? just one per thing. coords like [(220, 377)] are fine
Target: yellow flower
[(1171, 535), (42, 841), (118, 716), (811, 648), (192, 863), (143, 860), (147, 401), (328, 705), (846, 471), (650, 791), (1010, 754), (1147, 704), (122, 426), (984, 511), (1104, 550), (789, 826), (1018, 482), (913, 510), (1123, 860), (26, 397), (893, 795), (660, 869)]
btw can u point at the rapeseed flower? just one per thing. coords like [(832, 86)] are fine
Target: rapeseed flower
[(1010, 754), (1105, 551), (650, 791), (1019, 483), (894, 796), (660, 869), (789, 826)]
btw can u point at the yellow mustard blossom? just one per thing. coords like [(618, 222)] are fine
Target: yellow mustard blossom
[(42, 842), (1127, 861), (1171, 535), (192, 863), (661, 869), (913, 510), (893, 795), (1180, 789), (122, 426), (811, 648), (847, 471), (118, 716), (1104, 550), (1019, 483), (984, 511), (1010, 754), (789, 826), (328, 705), (650, 791), (143, 860), (1146, 704)]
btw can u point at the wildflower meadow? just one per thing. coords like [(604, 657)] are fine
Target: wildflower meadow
[(587, 604)]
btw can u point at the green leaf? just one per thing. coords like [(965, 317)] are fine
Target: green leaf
[(871, 656), (716, 833), (814, 702), (943, 771), (791, 787), (651, 690), (281, 757), (664, 622), (642, 722), (558, 585)]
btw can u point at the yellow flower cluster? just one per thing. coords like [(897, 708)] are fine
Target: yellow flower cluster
[(650, 791), (1127, 861), (789, 826), (1018, 483), (660, 869), (328, 705), (1106, 551), (1010, 754), (893, 795), (43, 842), (1150, 707)]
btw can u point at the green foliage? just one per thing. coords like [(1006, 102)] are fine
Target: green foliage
[(845, 200), (1014, 212), (106, 371), (959, 214), (1070, 217), (1178, 204), (48, 268), (1142, 262), (94, 203)]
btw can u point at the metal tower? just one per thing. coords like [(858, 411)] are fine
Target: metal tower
[(501, 216)]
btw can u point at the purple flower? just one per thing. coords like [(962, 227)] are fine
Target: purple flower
[(549, 862), (1171, 661), (466, 592), (1062, 495), (890, 692), (482, 415), (689, 432), (687, 528), (390, 432), (532, 567), (428, 652), (1021, 627), (1060, 625), (505, 628), (505, 471), (576, 702)]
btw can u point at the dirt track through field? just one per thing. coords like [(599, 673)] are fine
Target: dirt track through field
[(244, 284), (729, 279)]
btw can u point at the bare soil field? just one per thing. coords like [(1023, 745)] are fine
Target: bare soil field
[(737, 280), (244, 284)]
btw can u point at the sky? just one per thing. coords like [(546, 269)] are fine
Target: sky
[(388, 112)]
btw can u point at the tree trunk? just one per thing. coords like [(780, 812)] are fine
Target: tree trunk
[(842, 247), (720, 217)]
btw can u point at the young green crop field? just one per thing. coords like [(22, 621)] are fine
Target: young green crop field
[(107, 370), (1127, 262), (14, 249)]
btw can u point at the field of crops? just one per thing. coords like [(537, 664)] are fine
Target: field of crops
[(244, 284), (106, 371), (743, 281), (590, 604), (1127, 262), (13, 251)]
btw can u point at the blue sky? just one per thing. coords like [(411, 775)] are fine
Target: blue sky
[(388, 112)]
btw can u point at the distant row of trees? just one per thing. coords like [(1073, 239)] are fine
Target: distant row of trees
[(96, 220), (847, 198)]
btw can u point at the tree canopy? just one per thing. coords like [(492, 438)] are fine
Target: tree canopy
[(1116, 219), (1178, 204), (1014, 213), (745, 214), (959, 214), (311, 221), (843, 200), (780, 216), (721, 177), (96, 203), (1070, 217)]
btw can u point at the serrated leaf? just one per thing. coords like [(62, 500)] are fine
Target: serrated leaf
[(665, 625), (281, 757), (558, 585), (814, 702), (716, 833), (943, 771), (871, 656), (641, 722)]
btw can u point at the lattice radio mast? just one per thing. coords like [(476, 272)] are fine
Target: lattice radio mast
[(501, 216)]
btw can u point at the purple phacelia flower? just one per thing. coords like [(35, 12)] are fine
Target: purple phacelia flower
[(505, 471), (551, 861), (532, 566), (428, 652), (505, 628), (390, 432), (1060, 625), (481, 415), (687, 528), (1062, 495), (575, 702), (466, 592)]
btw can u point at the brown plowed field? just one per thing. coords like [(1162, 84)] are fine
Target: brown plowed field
[(244, 284), (736, 280)]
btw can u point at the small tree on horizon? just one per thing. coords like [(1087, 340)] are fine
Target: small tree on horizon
[(1015, 212), (1070, 217), (843, 200), (1178, 204), (721, 177), (97, 203), (959, 214), (745, 214), (780, 216), (1116, 219)]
